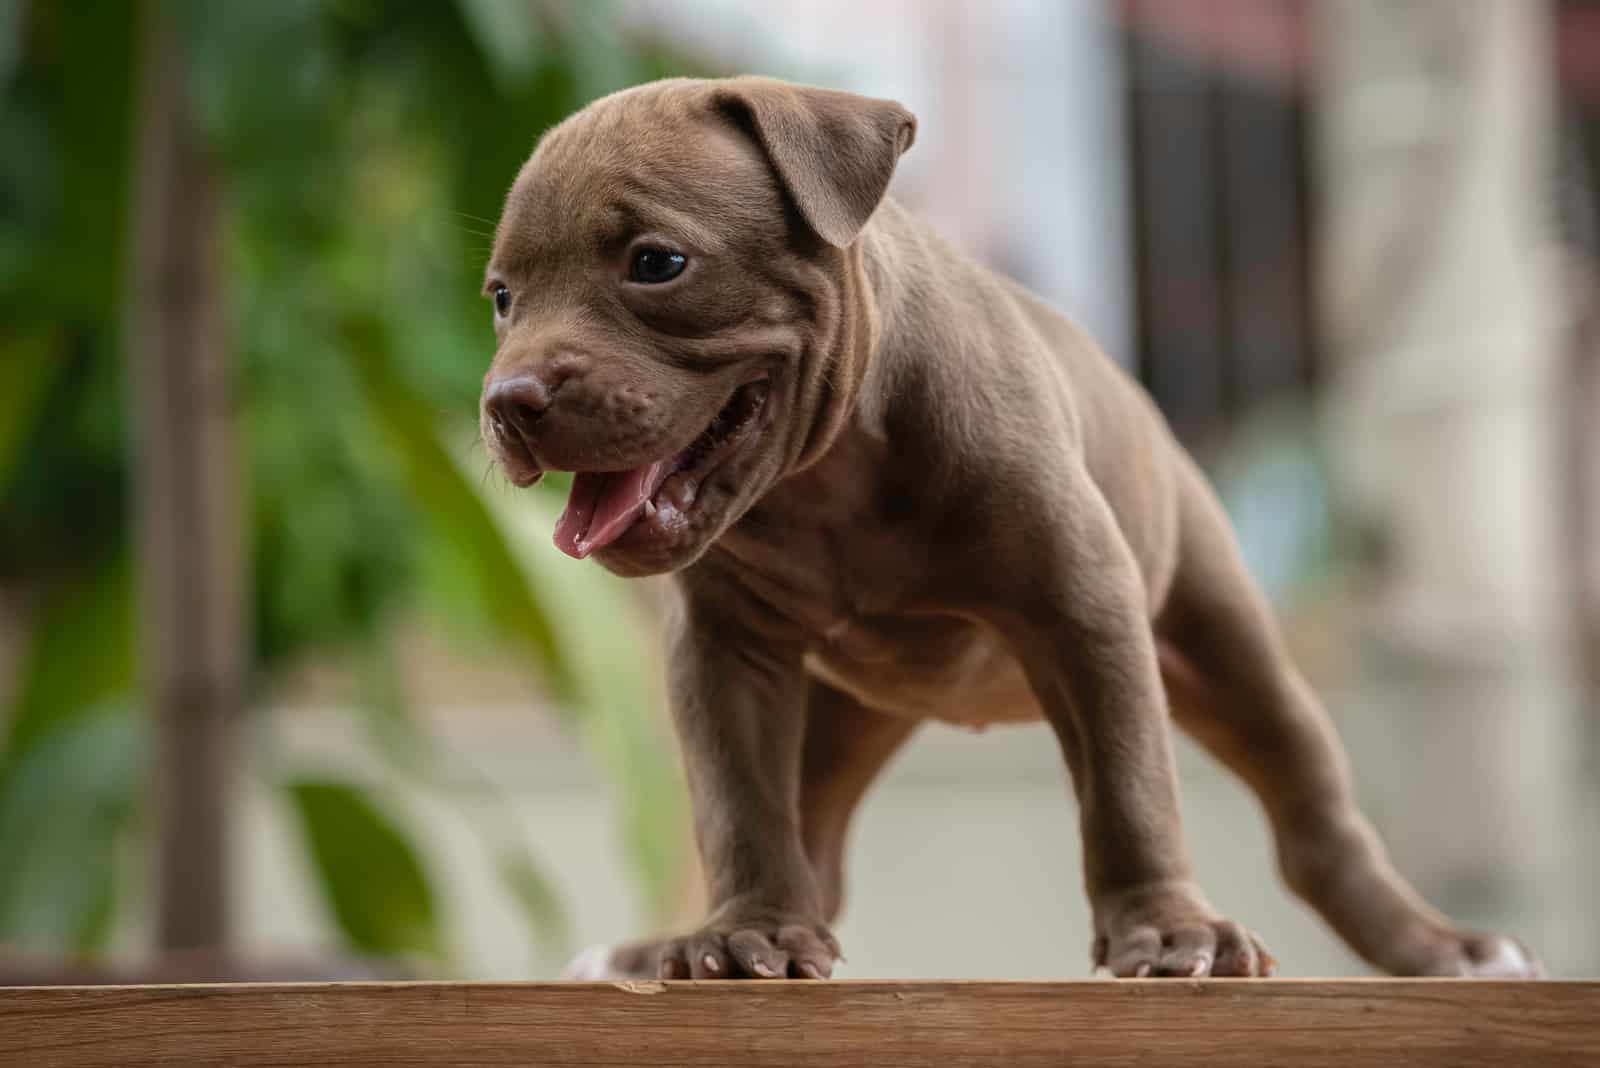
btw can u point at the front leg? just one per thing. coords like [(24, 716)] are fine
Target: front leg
[(1080, 625), (738, 702)]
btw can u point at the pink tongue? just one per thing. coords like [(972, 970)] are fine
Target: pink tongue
[(604, 505)]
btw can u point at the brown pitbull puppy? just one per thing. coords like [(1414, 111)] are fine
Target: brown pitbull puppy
[(892, 486)]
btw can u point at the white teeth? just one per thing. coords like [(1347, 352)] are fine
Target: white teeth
[(649, 507)]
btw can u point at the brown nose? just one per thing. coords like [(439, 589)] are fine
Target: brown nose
[(515, 404)]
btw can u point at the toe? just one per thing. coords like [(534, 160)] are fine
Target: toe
[(810, 955), (1188, 951), (1134, 955), (674, 962), (708, 959), (756, 955), (1266, 963), (1239, 956)]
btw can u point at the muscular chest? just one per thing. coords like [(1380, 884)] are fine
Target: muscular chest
[(938, 667), (861, 563)]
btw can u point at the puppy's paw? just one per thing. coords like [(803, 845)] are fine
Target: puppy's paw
[(1168, 931), (752, 945), (1470, 955), (1184, 949)]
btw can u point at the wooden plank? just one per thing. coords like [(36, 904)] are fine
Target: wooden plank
[(1267, 1023)]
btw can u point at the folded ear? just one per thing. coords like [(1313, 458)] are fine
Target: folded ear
[(834, 152)]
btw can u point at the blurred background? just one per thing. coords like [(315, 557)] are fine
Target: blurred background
[(292, 684)]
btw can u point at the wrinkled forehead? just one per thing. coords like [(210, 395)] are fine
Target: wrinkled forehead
[(642, 162)]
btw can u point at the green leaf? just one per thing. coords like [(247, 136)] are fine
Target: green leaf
[(451, 502), (88, 65), (370, 875), (536, 897), (28, 365), (405, 741), (619, 702), (80, 653), (63, 812), (10, 32)]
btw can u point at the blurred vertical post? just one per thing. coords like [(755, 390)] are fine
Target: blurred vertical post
[(1441, 306), (191, 624)]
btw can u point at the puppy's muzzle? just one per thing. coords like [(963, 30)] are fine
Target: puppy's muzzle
[(514, 407)]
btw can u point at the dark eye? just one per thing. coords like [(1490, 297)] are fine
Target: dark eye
[(654, 265), (502, 300)]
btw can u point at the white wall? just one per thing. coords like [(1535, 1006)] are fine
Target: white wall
[(1019, 155)]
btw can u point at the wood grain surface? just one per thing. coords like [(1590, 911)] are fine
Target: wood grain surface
[(1212, 1023)]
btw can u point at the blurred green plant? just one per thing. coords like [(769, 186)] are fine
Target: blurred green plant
[(363, 147)]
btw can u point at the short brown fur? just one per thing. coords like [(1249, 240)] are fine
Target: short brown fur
[(954, 507)]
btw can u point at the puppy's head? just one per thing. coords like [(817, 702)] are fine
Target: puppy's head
[(674, 298)]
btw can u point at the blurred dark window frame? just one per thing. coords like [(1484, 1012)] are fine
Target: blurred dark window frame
[(1217, 147)]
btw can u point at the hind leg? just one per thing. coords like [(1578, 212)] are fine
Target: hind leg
[(1232, 686), (846, 746)]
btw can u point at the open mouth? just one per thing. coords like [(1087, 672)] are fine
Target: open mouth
[(604, 505)]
